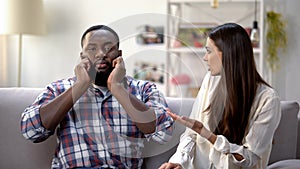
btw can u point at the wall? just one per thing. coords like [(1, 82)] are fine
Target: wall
[(286, 80), (291, 68), (53, 56)]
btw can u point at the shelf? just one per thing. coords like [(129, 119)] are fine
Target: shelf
[(199, 1), (199, 12), (192, 1), (153, 45), (187, 50), (200, 50)]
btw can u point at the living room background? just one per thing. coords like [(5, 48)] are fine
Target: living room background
[(53, 56)]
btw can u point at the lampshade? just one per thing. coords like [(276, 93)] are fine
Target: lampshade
[(22, 17)]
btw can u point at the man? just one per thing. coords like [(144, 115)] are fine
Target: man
[(102, 116)]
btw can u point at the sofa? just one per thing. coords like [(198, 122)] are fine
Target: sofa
[(16, 152)]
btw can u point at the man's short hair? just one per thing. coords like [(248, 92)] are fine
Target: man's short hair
[(98, 27)]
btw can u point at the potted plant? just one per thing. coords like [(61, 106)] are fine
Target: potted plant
[(276, 38)]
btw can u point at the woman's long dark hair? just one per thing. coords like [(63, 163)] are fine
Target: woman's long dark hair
[(240, 77)]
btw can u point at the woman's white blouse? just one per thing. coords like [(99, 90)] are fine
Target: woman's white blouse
[(197, 152)]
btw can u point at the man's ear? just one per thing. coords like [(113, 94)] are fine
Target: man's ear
[(120, 53)]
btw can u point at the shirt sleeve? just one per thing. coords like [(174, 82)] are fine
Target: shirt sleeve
[(184, 154), (31, 124), (262, 127), (153, 98)]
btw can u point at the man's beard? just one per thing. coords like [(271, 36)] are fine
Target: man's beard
[(101, 77)]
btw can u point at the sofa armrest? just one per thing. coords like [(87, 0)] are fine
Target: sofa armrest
[(285, 137), (298, 138)]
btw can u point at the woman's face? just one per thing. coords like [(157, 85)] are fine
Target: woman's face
[(213, 57)]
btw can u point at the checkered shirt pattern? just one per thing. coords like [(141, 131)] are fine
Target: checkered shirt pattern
[(97, 132)]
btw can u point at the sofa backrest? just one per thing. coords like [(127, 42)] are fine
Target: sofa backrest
[(16, 152), (286, 135), (30, 155)]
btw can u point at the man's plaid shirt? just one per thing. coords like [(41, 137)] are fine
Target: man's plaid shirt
[(97, 132)]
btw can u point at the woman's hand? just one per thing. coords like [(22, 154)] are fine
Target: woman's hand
[(190, 123), (170, 166), (195, 125)]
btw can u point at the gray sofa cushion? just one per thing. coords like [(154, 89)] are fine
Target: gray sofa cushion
[(286, 164), (285, 137), (15, 150)]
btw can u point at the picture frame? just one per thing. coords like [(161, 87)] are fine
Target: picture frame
[(193, 34), (150, 35), (150, 71)]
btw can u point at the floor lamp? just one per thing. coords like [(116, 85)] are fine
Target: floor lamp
[(21, 17)]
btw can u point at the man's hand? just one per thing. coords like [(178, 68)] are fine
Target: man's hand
[(81, 73), (117, 75), (170, 166), (139, 112), (55, 111)]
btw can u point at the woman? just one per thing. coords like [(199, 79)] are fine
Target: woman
[(236, 112)]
